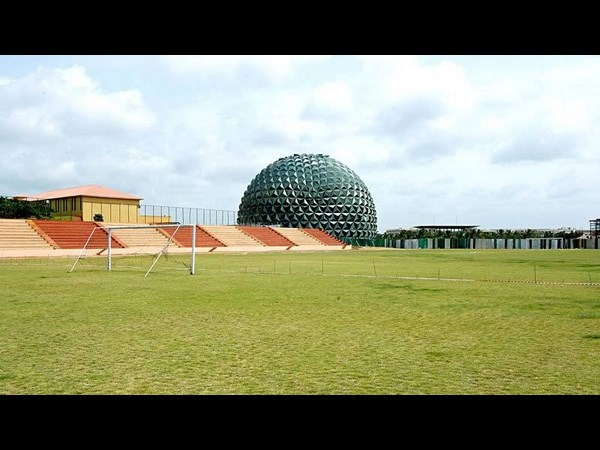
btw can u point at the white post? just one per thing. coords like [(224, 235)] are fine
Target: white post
[(109, 248), (193, 250), (163, 249), (83, 249)]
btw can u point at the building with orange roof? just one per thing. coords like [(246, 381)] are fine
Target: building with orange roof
[(86, 202)]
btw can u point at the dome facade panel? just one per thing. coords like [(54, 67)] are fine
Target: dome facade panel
[(310, 191)]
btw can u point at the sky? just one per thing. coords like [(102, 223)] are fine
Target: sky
[(499, 141)]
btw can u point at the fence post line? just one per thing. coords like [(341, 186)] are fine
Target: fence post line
[(156, 213), (109, 249), (193, 271)]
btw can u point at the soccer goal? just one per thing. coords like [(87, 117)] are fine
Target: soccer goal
[(137, 243)]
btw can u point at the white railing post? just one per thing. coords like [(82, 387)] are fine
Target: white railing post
[(193, 271), (109, 249)]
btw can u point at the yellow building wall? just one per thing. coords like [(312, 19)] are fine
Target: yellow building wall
[(112, 210)]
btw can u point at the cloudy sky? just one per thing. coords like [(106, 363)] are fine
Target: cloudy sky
[(495, 141)]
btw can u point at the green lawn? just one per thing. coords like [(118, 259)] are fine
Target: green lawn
[(305, 323)]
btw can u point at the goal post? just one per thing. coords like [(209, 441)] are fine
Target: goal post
[(110, 228)]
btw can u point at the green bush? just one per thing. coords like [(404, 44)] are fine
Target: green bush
[(11, 208)]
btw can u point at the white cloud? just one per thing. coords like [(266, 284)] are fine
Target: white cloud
[(275, 67), (186, 63), (60, 128), (329, 100), (75, 78), (52, 104)]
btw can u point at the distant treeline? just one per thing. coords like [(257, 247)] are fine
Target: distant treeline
[(481, 234), (11, 208)]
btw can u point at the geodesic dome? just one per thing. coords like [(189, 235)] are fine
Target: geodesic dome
[(310, 191)]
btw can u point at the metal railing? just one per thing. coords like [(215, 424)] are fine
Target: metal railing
[(190, 216), (127, 213)]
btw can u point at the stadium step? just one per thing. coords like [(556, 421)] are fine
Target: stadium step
[(184, 237), (323, 236), (140, 236), (297, 236), (18, 233), (70, 235), (232, 236), (267, 236)]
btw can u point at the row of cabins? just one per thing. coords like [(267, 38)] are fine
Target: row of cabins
[(487, 244)]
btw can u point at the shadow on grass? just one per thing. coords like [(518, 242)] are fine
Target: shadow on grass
[(592, 336), (405, 287)]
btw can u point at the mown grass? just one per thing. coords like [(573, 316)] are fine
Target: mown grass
[(304, 323)]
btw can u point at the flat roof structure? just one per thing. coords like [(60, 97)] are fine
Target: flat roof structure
[(90, 190), (595, 227), (446, 227)]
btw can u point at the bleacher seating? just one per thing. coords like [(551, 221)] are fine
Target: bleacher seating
[(184, 237), (74, 234), (139, 237), (17, 233), (323, 236), (232, 236), (297, 236), (37, 235), (267, 236)]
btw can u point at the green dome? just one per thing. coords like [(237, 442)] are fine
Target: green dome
[(310, 191)]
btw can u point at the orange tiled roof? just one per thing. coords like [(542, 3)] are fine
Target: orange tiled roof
[(90, 190)]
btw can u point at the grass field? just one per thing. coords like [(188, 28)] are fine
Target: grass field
[(351, 322)]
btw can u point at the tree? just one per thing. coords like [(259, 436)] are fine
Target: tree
[(11, 208)]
